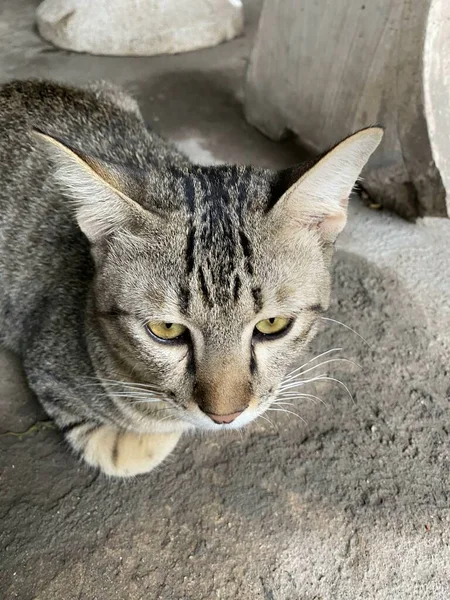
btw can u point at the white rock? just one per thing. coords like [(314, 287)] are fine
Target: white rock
[(139, 27)]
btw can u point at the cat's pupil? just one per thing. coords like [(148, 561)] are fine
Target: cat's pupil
[(272, 321), (168, 325)]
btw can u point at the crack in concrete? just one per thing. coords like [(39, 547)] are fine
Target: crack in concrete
[(37, 427)]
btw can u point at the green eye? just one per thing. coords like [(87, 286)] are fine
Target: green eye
[(273, 326), (166, 331)]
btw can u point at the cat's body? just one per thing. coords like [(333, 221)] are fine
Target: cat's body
[(45, 261), (167, 242)]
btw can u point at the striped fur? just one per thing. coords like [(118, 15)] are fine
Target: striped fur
[(105, 227)]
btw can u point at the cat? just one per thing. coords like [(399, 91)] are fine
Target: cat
[(146, 295)]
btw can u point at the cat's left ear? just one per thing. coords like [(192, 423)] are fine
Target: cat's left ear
[(319, 198), (105, 196)]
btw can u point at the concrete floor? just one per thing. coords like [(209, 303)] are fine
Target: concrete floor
[(354, 504)]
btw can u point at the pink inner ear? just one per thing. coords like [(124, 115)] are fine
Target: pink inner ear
[(333, 224), (330, 223)]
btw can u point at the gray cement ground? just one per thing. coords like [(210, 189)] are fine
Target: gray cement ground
[(354, 504)]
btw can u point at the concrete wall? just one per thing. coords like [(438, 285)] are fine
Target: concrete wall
[(324, 69)]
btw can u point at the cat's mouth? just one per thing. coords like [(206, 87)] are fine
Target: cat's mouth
[(226, 419), (213, 422), (202, 418)]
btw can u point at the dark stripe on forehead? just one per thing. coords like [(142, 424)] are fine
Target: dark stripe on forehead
[(189, 192), (246, 246), (184, 296), (216, 238), (247, 250), (204, 288), (242, 200), (190, 248), (218, 231), (237, 287), (232, 178), (201, 178), (257, 297), (242, 193)]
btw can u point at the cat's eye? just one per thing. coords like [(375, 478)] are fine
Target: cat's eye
[(166, 331), (274, 326)]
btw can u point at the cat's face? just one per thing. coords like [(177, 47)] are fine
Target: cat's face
[(211, 281), (239, 311)]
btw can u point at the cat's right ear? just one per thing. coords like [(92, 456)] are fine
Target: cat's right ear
[(102, 193), (317, 198)]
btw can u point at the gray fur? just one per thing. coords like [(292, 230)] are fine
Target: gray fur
[(207, 250)]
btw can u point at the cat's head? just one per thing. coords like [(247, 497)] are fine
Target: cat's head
[(210, 280)]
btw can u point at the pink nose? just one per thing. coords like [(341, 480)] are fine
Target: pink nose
[(223, 419)]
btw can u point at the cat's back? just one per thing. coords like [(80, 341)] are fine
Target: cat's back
[(99, 119)]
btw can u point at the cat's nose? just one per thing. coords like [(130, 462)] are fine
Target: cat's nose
[(224, 419)]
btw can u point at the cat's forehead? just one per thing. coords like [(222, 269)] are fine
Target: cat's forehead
[(239, 188), (219, 253), (223, 207)]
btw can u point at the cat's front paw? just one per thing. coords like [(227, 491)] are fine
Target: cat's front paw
[(118, 452)]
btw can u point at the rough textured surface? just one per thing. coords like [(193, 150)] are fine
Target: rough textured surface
[(354, 504), (130, 28), (322, 69)]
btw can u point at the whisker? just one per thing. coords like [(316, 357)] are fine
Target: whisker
[(116, 381), (240, 433), (313, 359), (278, 403), (296, 395), (134, 393), (327, 378), (172, 415), (347, 327), (129, 387), (168, 418), (291, 412), (147, 399), (266, 418), (325, 362), (137, 386), (155, 410), (297, 383)]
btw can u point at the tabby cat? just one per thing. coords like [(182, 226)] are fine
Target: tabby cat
[(146, 295)]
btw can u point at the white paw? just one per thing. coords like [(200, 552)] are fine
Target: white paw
[(121, 453)]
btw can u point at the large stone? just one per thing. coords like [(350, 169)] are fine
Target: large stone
[(139, 27), (324, 69)]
